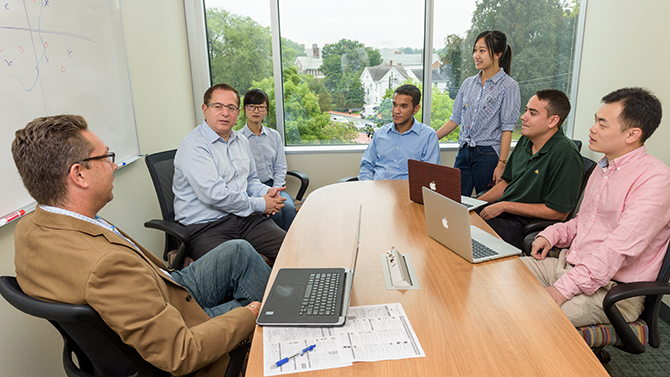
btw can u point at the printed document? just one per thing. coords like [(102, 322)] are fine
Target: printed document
[(371, 333)]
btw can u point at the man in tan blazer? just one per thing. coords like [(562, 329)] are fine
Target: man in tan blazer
[(179, 321)]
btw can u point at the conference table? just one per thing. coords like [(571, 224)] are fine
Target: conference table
[(488, 319)]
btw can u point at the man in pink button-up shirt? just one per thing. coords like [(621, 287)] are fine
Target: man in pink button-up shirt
[(622, 230)]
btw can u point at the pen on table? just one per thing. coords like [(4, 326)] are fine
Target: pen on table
[(286, 359), (11, 217)]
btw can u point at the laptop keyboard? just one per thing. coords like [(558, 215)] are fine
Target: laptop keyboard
[(321, 294), (481, 251), (467, 205)]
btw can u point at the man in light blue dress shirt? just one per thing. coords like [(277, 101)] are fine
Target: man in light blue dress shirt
[(218, 195), (394, 143)]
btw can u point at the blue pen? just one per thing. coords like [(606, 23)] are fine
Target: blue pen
[(286, 359)]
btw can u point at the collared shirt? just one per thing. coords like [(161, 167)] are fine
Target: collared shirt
[(551, 176), (485, 111), (622, 229), (214, 178), (387, 154), (99, 221), (268, 152)]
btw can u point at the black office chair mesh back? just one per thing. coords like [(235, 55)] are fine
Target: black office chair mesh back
[(99, 350), (652, 303), (589, 165), (161, 169)]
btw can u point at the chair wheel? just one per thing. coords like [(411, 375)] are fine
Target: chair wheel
[(604, 357)]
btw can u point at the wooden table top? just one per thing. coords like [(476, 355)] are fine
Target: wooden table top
[(489, 319)]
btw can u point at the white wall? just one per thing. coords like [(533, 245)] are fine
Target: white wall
[(624, 45), (160, 75)]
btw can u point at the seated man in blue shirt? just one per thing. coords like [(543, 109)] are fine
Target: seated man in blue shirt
[(394, 143), (218, 195)]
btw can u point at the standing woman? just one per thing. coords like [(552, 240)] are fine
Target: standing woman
[(268, 151), (487, 109)]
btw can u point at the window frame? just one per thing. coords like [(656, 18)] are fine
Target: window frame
[(196, 34)]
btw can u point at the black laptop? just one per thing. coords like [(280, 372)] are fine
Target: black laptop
[(310, 296)]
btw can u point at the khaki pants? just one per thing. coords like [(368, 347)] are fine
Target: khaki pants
[(582, 310)]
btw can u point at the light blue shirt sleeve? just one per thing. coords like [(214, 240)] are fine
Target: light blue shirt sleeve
[(280, 167), (509, 110), (214, 178), (432, 153), (369, 160)]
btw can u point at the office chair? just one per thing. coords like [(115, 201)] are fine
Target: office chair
[(578, 143), (99, 351), (161, 169), (535, 226), (348, 179), (630, 337)]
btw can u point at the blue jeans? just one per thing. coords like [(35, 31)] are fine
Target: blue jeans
[(284, 218), (229, 276), (477, 165)]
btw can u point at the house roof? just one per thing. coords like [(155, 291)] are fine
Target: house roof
[(379, 71), (309, 62), (436, 77)]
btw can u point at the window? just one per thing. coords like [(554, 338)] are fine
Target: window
[(341, 61)]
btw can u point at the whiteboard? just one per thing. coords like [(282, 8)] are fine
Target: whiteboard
[(57, 57)]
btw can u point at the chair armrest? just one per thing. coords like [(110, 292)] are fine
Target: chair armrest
[(348, 179), (537, 225), (630, 342), (528, 242), (174, 229), (304, 182)]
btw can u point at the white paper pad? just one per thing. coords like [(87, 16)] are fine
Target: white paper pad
[(371, 333)]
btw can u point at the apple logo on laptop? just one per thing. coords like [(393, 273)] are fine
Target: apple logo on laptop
[(445, 224), (432, 185)]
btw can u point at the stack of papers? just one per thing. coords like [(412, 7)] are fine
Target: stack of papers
[(371, 333)]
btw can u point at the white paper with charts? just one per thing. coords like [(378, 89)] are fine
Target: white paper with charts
[(371, 333)]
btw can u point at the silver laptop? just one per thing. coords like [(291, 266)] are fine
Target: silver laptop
[(310, 296), (448, 223), (443, 179)]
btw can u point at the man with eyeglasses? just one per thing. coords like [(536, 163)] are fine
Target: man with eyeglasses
[(394, 143), (179, 321), (218, 195)]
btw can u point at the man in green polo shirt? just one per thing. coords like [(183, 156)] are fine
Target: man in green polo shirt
[(543, 174)]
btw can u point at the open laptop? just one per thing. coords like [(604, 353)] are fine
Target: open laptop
[(443, 179), (310, 296), (448, 223)]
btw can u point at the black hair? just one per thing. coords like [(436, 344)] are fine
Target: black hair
[(410, 90), (496, 42), (557, 103), (641, 109), (256, 97)]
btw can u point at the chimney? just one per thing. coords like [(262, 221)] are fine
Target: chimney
[(315, 50), (390, 63)]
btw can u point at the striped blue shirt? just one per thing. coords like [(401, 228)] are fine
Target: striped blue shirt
[(485, 111)]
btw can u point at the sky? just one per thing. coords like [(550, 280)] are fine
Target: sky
[(375, 23)]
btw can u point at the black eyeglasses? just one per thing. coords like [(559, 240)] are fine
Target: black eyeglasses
[(253, 108), (110, 155), (219, 107)]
